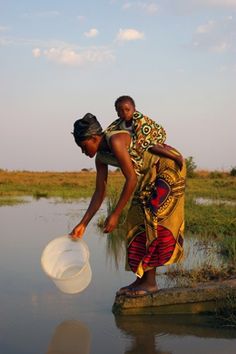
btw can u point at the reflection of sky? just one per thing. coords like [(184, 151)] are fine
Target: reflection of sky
[(32, 307)]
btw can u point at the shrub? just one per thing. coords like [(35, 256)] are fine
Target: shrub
[(233, 172), (216, 174), (190, 166)]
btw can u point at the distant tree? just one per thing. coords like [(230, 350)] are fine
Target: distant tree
[(190, 166), (86, 169), (233, 172)]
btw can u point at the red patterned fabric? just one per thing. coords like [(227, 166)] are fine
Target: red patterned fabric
[(156, 255)]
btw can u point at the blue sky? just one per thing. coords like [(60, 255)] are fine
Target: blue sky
[(62, 59)]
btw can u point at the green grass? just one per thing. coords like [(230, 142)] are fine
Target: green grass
[(11, 201), (66, 185), (211, 220), (213, 188), (227, 247)]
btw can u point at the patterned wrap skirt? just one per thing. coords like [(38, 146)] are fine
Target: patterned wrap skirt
[(155, 221)]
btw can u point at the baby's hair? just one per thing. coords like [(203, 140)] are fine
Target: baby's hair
[(122, 99)]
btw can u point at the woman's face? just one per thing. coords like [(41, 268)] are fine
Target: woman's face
[(89, 146), (125, 110)]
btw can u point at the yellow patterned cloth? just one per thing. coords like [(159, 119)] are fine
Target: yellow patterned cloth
[(155, 220), (157, 209)]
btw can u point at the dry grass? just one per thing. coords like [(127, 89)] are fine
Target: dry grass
[(52, 184)]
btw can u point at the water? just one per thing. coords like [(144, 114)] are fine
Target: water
[(209, 201), (36, 318), (70, 272)]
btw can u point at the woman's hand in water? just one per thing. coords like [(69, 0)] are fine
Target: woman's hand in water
[(110, 223), (77, 231)]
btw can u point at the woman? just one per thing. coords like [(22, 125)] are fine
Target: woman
[(155, 219)]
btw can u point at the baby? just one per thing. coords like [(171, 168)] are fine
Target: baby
[(146, 133)]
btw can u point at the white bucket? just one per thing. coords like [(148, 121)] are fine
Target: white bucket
[(66, 262)]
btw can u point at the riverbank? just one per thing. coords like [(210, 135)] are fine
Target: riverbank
[(210, 219), (80, 184)]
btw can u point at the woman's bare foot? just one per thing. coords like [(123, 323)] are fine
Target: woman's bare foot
[(141, 290), (126, 288), (146, 286)]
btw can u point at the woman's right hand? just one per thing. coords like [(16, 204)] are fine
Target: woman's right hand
[(77, 231)]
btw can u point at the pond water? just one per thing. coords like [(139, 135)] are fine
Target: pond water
[(35, 317)]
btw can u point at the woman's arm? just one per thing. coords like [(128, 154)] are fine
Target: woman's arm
[(119, 144), (96, 200), (169, 152)]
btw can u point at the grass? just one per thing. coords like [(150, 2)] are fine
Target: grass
[(66, 185), (211, 220), (11, 201), (213, 188), (203, 273), (227, 247)]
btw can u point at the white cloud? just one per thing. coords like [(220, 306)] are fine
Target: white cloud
[(188, 7), (4, 28), (150, 7), (227, 69), (7, 41), (216, 36), (81, 18), (206, 27), (62, 52), (36, 52), (52, 13), (221, 47), (93, 32), (127, 5), (223, 68), (220, 3), (129, 34), (78, 57)]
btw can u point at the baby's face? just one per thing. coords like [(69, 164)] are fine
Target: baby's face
[(125, 110)]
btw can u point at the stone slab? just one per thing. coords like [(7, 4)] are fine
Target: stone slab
[(200, 299)]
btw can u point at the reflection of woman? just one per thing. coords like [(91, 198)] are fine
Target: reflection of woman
[(155, 219), (144, 331), (70, 337)]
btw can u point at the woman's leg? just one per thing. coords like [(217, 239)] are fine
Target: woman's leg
[(146, 285)]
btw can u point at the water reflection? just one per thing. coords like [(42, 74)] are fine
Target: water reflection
[(147, 332), (27, 294), (209, 201), (143, 332), (70, 337)]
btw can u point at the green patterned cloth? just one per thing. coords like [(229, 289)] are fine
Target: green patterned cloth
[(145, 133)]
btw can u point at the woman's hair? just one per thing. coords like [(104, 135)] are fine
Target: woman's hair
[(86, 127), (122, 99)]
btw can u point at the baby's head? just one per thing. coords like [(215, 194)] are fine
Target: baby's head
[(125, 107)]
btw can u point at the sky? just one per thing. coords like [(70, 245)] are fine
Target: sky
[(62, 59)]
